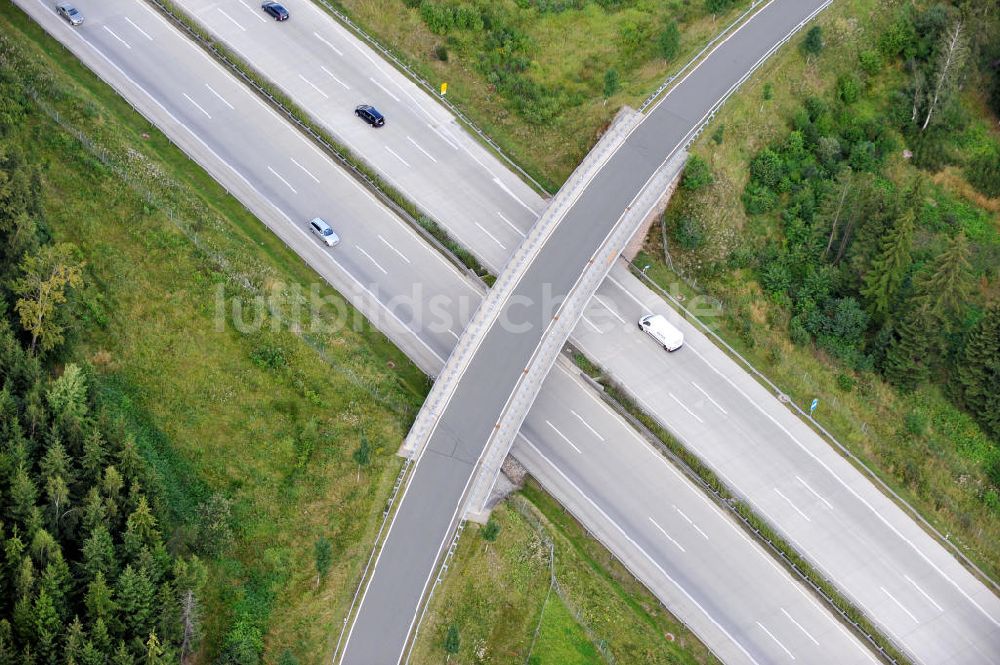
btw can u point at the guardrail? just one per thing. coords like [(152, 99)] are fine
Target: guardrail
[(419, 80), (818, 427), (285, 108), (489, 308), (720, 493)]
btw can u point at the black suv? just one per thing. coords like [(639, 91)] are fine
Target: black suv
[(370, 115), (277, 11)]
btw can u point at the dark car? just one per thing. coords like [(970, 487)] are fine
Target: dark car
[(275, 10), (370, 115)]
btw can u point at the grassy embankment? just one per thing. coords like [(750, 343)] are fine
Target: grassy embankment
[(928, 450), (497, 594), (269, 419), (566, 51)]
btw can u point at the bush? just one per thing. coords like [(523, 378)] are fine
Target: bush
[(813, 43), (718, 134), (845, 382), (758, 199), (848, 88), (697, 174), (441, 52), (870, 62), (766, 168), (612, 82), (669, 42), (718, 6), (983, 173), (689, 232)]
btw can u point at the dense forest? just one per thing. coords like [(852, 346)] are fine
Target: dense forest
[(85, 572)]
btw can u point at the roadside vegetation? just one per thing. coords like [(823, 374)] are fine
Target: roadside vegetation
[(498, 602), (544, 77), (245, 445), (843, 213)]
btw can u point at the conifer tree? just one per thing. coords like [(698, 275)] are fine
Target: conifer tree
[(99, 602), (906, 364), (945, 287), (99, 554), (978, 372), (889, 267)]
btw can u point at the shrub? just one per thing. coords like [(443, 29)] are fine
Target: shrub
[(848, 88), (813, 43), (441, 52), (766, 168), (718, 6), (768, 91), (983, 173), (612, 82), (718, 134), (845, 382), (758, 199), (870, 62), (697, 174), (669, 42), (689, 232)]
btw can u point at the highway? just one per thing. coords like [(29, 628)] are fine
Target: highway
[(194, 125), (433, 502), (733, 595), (957, 623)]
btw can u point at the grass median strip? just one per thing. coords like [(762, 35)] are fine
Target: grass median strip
[(390, 196), (702, 475)]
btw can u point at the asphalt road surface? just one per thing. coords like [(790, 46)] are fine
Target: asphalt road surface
[(433, 501), (194, 102)]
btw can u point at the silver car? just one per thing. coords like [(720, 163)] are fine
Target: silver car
[(70, 13), (325, 233)]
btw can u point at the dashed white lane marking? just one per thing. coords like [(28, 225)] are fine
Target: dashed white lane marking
[(646, 554), (587, 425), (305, 170), (220, 97), (384, 89), (314, 87), (562, 436), (776, 640), (444, 138), (899, 604), (815, 493), (796, 508), (112, 33), (390, 246), (628, 293), (421, 149), (691, 522), (608, 307), (372, 259), (513, 195), (702, 391), (492, 237), (141, 31), (396, 155), (234, 21), (196, 105), (923, 593), (591, 324), (799, 626), (692, 413), (667, 535), (278, 176), (511, 225), (335, 49), (331, 75), (253, 12)]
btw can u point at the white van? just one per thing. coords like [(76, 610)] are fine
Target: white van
[(325, 233), (657, 327)]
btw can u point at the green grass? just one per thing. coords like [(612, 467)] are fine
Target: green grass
[(497, 594), (930, 452), (268, 419), (561, 641), (570, 51)]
